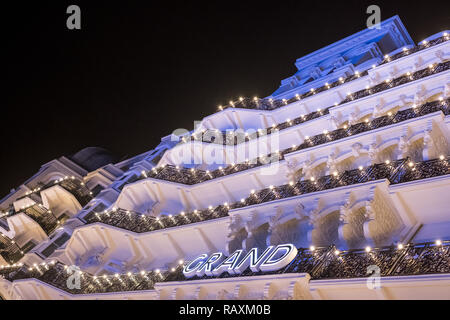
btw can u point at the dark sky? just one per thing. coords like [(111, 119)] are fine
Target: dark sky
[(138, 70)]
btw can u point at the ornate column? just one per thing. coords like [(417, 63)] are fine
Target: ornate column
[(382, 221)]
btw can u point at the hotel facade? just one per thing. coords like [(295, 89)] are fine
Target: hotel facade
[(336, 186)]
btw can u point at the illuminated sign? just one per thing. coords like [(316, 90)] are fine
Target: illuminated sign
[(271, 259)]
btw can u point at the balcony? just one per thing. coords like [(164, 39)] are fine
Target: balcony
[(194, 176), (270, 104), (395, 172)]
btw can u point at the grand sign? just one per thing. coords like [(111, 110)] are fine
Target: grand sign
[(273, 258)]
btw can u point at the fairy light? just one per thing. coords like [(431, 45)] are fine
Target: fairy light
[(400, 246), (438, 242), (368, 249), (312, 248)]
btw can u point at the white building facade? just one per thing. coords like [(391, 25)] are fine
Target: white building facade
[(334, 187)]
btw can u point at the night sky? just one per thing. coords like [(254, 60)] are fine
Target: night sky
[(136, 71)]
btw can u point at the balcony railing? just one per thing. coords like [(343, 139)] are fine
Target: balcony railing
[(423, 45), (320, 263), (396, 172), (10, 250)]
